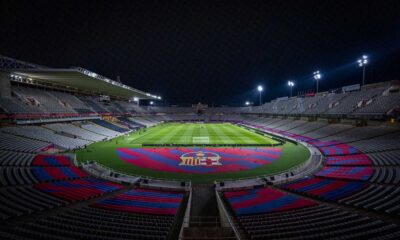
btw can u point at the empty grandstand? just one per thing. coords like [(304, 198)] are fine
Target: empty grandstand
[(199, 120), (75, 166)]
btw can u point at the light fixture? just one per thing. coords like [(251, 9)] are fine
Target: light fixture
[(317, 76), (291, 85), (362, 62)]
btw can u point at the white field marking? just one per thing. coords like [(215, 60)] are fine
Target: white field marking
[(200, 140)]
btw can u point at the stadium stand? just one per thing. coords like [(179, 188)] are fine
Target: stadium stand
[(376, 197), (328, 130), (338, 149), (57, 173), (46, 135), (78, 190), (143, 121), (92, 103), (75, 131), (18, 159), (340, 172), (360, 133), (355, 159), (381, 143), (18, 201), (381, 103), (16, 106), (308, 127), (317, 222), (386, 175), (95, 223), (349, 176), (144, 201), (386, 158), (42, 100), (350, 102), (328, 189), (354, 195), (109, 125), (16, 143), (129, 123), (264, 200), (72, 101), (51, 160), (11, 176)]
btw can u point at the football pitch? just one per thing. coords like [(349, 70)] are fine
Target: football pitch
[(197, 133), (128, 154)]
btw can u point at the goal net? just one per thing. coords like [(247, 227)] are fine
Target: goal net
[(201, 140)]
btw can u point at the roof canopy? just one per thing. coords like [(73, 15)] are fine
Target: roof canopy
[(80, 79)]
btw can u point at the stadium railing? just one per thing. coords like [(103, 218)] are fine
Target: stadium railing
[(101, 171), (185, 224), (226, 217)]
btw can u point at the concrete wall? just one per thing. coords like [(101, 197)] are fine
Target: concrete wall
[(5, 85)]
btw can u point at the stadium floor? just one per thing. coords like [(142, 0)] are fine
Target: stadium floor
[(195, 133), (201, 165)]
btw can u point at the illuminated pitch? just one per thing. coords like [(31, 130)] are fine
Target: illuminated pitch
[(201, 152)]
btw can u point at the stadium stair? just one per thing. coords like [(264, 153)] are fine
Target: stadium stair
[(204, 221)]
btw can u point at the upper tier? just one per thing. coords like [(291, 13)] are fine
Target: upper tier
[(372, 101)]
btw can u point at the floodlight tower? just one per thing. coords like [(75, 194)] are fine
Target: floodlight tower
[(317, 77), (362, 62), (136, 100), (291, 85), (260, 89), (247, 103)]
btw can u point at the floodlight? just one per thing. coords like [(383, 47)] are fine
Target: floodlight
[(362, 62)]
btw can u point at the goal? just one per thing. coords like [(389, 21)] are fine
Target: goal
[(200, 140)]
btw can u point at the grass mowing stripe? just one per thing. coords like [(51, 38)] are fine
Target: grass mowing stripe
[(205, 130), (223, 134), (136, 138), (255, 138), (187, 135), (215, 136), (169, 134), (152, 136), (237, 135)]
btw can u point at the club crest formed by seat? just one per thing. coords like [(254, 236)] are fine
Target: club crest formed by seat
[(200, 158)]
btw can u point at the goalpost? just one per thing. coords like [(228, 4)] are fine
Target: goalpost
[(200, 140)]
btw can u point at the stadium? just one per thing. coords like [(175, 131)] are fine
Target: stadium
[(84, 156)]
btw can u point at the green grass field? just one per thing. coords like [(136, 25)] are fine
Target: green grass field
[(184, 133), (192, 133)]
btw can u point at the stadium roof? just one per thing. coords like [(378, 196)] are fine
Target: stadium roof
[(78, 79)]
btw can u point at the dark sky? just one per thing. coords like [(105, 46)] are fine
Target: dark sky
[(210, 51)]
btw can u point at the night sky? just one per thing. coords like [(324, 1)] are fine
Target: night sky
[(215, 52)]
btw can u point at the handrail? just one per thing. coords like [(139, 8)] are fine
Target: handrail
[(187, 214), (227, 216), (140, 176)]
